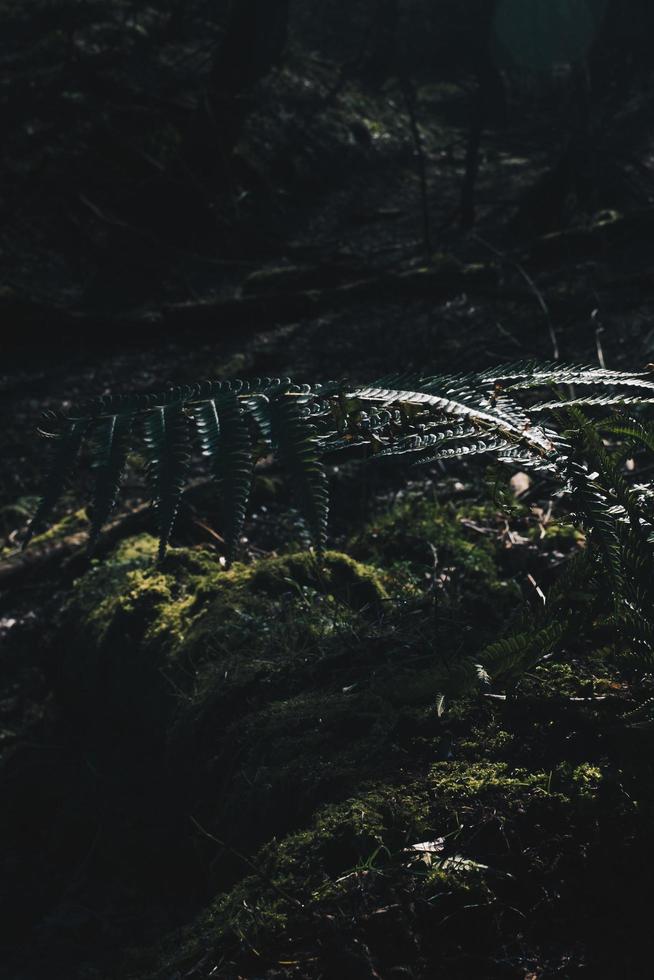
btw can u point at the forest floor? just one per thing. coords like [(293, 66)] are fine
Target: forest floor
[(251, 773)]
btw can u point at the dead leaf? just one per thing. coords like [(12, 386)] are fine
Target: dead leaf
[(519, 483)]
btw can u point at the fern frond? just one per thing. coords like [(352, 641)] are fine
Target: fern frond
[(608, 466), (167, 444), (437, 436), (590, 377), (472, 447), (591, 505), (634, 430), (430, 418), (535, 374), (642, 716), (592, 401), (227, 442), (521, 650), (294, 439), (458, 400)]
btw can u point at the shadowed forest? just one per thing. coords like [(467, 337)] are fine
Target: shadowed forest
[(349, 676)]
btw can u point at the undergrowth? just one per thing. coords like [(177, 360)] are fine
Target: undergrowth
[(549, 419)]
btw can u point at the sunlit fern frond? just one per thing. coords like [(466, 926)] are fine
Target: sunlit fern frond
[(441, 417), (595, 401), (523, 375)]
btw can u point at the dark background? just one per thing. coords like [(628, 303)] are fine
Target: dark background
[(318, 188)]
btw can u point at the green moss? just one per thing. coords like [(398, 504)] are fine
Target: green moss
[(486, 739), (465, 784), (562, 679), (444, 844), (192, 580), (554, 536), (287, 709), (585, 779), (412, 530), (337, 575), (141, 632), (70, 524), (428, 545)]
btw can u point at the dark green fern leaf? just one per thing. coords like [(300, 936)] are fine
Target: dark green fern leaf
[(459, 399), (609, 468), (227, 442), (168, 452), (513, 654), (636, 432), (591, 506), (294, 438)]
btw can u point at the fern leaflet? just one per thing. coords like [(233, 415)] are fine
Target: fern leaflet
[(168, 451), (294, 438)]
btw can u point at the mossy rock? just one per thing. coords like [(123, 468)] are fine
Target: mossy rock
[(138, 637), (432, 543), (398, 876), (225, 680)]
